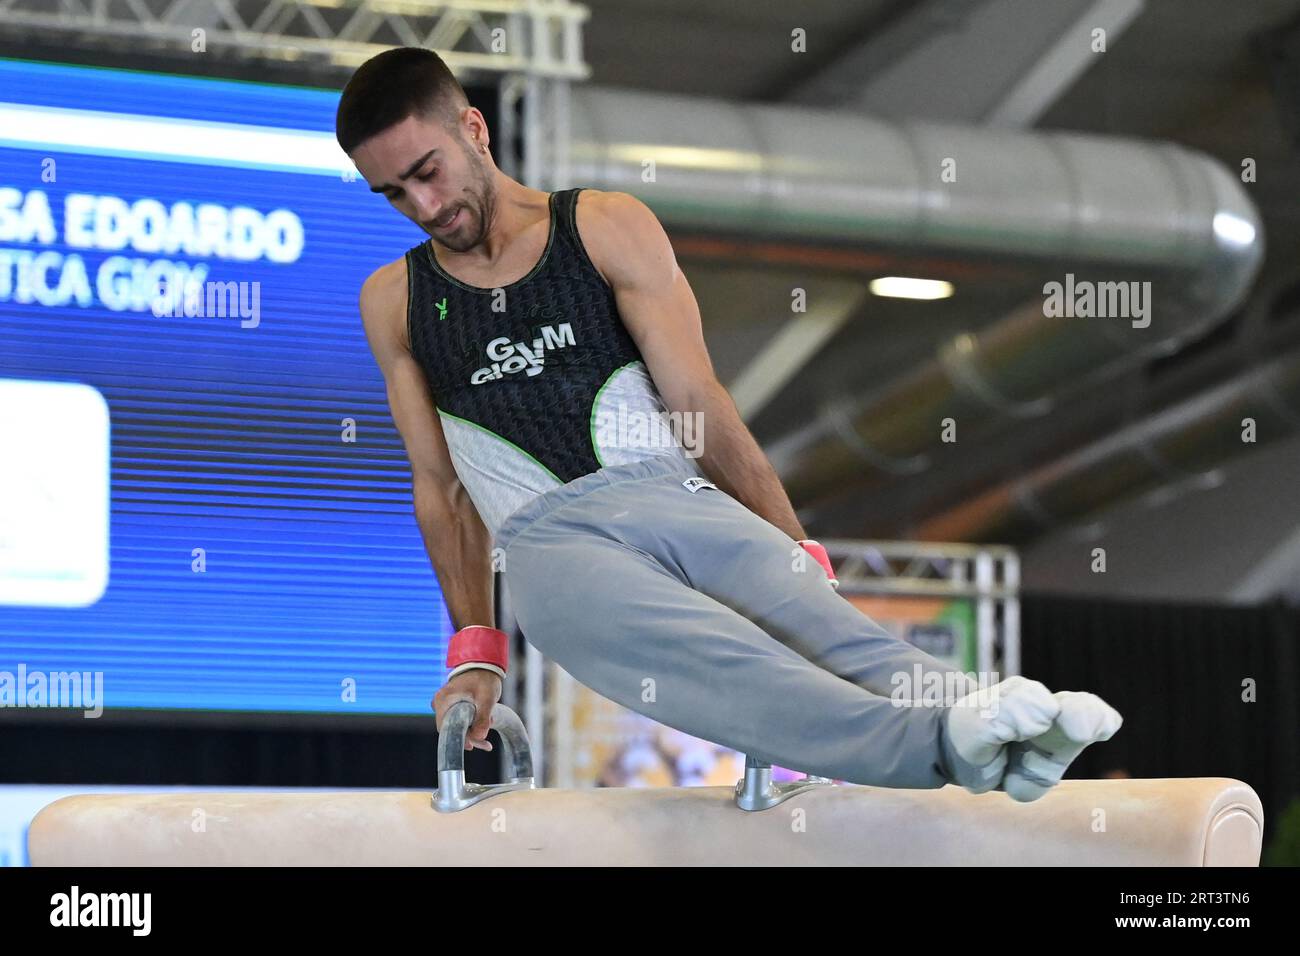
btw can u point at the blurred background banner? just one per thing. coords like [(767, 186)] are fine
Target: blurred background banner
[(259, 557)]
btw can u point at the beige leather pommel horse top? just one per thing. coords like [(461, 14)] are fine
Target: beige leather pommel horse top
[(1204, 821)]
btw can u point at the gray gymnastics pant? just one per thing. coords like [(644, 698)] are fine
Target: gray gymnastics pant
[(686, 607)]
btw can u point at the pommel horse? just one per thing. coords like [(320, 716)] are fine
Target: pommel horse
[(1203, 821)]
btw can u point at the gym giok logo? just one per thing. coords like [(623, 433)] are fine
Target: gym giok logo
[(510, 358), (102, 909)]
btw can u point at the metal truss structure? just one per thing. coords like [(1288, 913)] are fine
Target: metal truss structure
[(532, 48), (987, 574)]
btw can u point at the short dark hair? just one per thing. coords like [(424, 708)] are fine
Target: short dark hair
[(395, 84)]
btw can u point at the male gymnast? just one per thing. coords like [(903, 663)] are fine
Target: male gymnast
[(517, 343)]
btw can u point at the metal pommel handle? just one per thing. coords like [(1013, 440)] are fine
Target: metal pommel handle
[(756, 791), (453, 792)]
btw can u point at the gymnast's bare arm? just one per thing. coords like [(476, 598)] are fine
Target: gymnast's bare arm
[(628, 246), (455, 537)]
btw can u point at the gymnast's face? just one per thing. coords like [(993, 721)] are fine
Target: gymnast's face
[(439, 178)]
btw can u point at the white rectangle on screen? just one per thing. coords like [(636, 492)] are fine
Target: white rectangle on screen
[(54, 493)]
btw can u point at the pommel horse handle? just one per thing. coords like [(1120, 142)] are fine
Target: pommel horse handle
[(757, 791), (453, 792)]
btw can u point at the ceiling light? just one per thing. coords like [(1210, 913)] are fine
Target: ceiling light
[(902, 287)]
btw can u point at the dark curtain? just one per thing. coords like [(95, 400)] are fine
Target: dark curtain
[(1176, 672), (112, 750)]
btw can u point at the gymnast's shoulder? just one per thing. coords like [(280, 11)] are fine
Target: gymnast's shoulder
[(382, 301), (621, 234)]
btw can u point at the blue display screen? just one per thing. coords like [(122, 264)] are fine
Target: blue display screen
[(203, 501)]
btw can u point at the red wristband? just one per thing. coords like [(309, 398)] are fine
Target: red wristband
[(479, 645), (819, 554)]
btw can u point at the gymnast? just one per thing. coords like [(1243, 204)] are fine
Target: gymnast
[(675, 581)]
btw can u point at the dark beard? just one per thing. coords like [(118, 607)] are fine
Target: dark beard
[(482, 203)]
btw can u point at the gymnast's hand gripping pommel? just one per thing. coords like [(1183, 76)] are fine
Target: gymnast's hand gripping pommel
[(477, 658)]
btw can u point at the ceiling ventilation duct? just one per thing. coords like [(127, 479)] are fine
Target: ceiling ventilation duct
[(1112, 209)]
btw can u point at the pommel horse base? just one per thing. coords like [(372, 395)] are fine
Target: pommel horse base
[(1204, 821)]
